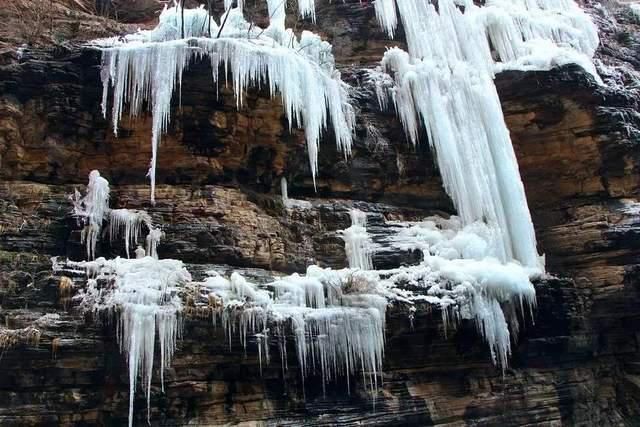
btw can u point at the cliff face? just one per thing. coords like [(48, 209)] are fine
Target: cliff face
[(219, 204)]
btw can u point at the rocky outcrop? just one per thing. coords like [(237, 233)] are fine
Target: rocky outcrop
[(218, 202)]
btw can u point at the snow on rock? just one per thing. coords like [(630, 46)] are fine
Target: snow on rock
[(142, 294), (91, 210), (148, 66)]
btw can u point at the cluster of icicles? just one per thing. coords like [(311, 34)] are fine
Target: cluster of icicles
[(477, 266), (444, 83), (148, 66), (336, 320), (92, 210)]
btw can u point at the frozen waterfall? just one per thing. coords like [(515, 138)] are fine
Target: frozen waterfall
[(445, 83), (476, 266), (92, 210)]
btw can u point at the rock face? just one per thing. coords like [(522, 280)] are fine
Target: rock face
[(218, 202)]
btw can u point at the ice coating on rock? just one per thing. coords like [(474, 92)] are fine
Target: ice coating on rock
[(148, 66), (91, 210)]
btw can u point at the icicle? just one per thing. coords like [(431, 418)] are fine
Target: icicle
[(127, 223), (292, 204), (386, 14), (307, 8), (332, 340), (153, 239), (284, 192)]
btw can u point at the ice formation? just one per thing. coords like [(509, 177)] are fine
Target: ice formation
[(337, 322), (142, 294), (477, 266), (92, 209), (445, 82), (336, 318), (461, 275), (358, 244), (291, 204), (524, 34), (153, 239), (128, 223), (284, 190), (148, 66)]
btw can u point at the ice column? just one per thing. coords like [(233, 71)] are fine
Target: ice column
[(92, 210), (357, 243)]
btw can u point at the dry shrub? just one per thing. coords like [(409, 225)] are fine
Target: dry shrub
[(36, 19), (10, 338), (65, 289), (55, 346), (356, 284), (214, 302)]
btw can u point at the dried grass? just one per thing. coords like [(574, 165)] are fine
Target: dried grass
[(36, 19), (11, 338), (48, 22), (65, 289), (55, 346)]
